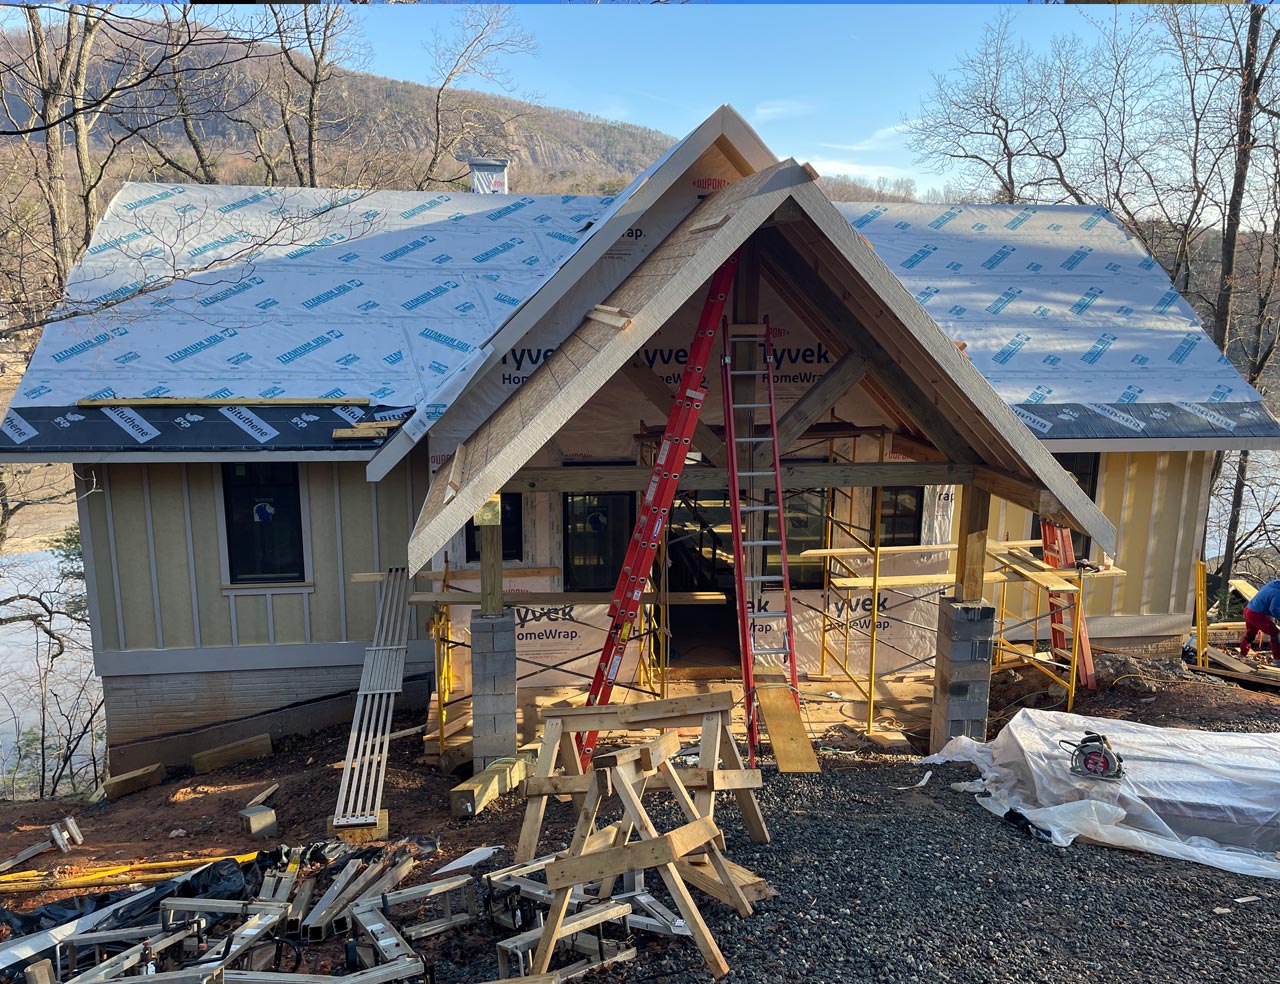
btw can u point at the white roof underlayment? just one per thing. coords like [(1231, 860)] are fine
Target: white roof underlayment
[(1055, 304), (298, 293)]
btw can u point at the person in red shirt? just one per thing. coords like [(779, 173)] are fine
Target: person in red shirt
[(1260, 617)]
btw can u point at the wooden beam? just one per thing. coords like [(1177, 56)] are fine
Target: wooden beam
[(636, 856), (551, 599), (972, 519), (1020, 492), (635, 478), (802, 414), (660, 395)]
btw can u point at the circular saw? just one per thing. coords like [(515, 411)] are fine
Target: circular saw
[(1093, 757)]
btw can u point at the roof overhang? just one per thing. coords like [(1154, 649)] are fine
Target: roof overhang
[(955, 407), (724, 129)]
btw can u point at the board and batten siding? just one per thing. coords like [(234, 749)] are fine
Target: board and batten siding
[(1158, 501), (178, 647)]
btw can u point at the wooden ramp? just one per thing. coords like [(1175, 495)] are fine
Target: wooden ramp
[(792, 749), (365, 767)]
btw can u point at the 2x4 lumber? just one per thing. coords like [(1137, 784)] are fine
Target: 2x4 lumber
[(468, 799), (792, 749), (647, 755), (701, 478), (554, 919), (702, 877), (634, 810), (263, 796), (548, 753), (547, 599), (718, 780), (714, 847), (359, 433), (258, 746), (636, 856), (653, 710)]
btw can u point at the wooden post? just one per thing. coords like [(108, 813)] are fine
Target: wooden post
[(488, 523), (972, 519)]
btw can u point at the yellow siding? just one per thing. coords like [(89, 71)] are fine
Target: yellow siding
[(251, 620), (357, 548), (215, 610), (169, 530), (287, 612), (133, 564), (326, 619), (104, 580)]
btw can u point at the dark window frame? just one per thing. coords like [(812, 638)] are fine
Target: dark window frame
[(1086, 468), (249, 548), (907, 528), (575, 579), (512, 532)]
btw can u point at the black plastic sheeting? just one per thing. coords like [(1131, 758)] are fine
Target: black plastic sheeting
[(223, 879)]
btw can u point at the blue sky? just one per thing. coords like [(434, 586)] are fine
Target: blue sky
[(823, 83)]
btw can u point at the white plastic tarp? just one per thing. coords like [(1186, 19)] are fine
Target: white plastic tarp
[(1208, 797)]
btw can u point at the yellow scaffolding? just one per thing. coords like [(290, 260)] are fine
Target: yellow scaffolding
[(441, 630)]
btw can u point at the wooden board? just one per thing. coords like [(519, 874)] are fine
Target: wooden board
[(791, 746), (259, 746)]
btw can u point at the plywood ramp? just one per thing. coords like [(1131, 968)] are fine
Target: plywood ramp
[(792, 749)]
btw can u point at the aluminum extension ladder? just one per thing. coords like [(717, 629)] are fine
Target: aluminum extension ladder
[(655, 507), (1059, 553), (759, 523)]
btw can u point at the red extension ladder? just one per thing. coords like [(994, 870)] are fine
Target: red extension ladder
[(1059, 553), (760, 522), (655, 508)]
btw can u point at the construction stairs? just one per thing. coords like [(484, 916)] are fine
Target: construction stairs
[(1060, 554), (365, 768), (766, 635)]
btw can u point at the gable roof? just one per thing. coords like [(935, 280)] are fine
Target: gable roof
[(1071, 321), (970, 421)]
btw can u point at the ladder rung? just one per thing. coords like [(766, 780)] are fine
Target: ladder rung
[(748, 406), (766, 614), (746, 372), (770, 652), (762, 543), (752, 473), (758, 509), (766, 577), (752, 440)]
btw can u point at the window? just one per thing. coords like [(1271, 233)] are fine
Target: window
[(597, 531), (512, 530), (264, 522), (1083, 466), (901, 515), (805, 515)]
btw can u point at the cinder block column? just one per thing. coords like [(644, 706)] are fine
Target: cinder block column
[(962, 673), (493, 687)]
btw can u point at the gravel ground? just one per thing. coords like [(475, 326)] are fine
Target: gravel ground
[(924, 885)]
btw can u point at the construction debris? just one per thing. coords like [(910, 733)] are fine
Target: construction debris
[(60, 837)]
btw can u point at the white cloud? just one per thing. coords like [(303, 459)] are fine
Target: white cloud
[(779, 109), (885, 137)]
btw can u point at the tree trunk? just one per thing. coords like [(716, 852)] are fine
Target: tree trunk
[(1249, 85), (1233, 531)]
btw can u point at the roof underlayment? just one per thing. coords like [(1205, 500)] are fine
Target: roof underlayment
[(1070, 320), (674, 272)]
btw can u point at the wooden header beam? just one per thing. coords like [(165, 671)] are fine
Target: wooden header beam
[(695, 478)]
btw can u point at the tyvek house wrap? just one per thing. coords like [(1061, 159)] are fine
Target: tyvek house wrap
[(1068, 318), (250, 293)]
